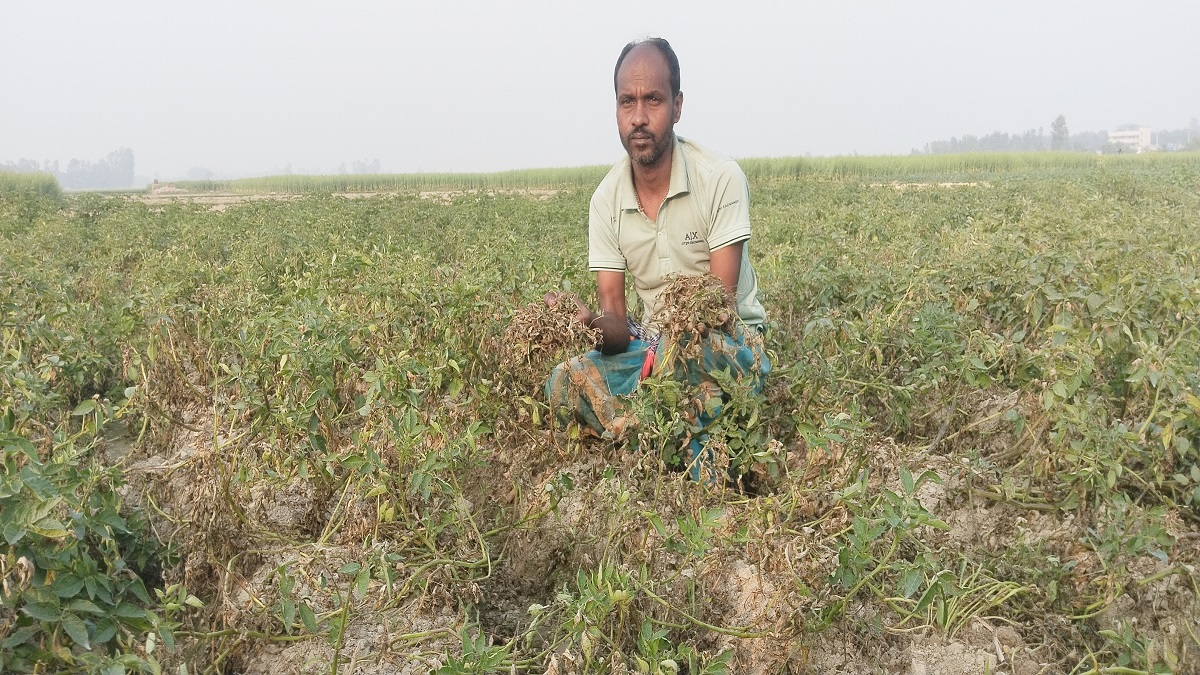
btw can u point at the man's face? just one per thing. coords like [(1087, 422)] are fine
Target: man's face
[(646, 110)]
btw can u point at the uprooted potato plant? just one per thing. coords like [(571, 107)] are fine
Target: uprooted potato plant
[(287, 437)]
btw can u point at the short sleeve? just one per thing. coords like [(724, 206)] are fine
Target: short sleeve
[(604, 249), (730, 207)]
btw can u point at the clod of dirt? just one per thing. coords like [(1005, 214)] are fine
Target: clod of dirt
[(937, 657), (288, 509), (753, 600)]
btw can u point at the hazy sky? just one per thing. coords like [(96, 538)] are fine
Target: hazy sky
[(250, 87)]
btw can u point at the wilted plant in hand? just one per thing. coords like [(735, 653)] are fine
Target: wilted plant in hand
[(540, 335), (692, 305)]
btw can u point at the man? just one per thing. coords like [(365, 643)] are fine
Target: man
[(669, 207)]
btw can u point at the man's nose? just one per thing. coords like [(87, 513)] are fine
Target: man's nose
[(639, 116)]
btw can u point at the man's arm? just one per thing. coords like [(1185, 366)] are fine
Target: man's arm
[(612, 322), (726, 264), (729, 226)]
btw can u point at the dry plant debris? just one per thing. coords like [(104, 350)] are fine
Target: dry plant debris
[(539, 336), (985, 417), (693, 304)]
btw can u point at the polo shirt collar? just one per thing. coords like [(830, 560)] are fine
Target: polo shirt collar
[(677, 186)]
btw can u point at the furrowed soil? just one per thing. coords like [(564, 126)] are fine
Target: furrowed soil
[(978, 449)]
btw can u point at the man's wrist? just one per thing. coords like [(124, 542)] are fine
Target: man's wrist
[(614, 334)]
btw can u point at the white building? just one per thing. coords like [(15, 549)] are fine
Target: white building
[(1131, 136)]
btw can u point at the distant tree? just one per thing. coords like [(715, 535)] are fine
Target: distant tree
[(1059, 134), (359, 166), (114, 171), (198, 173), (78, 175), (1089, 141), (997, 141), (1172, 139), (120, 168)]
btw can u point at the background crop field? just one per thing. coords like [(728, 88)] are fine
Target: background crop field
[(277, 434)]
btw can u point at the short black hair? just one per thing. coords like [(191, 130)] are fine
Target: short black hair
[(664, 48)]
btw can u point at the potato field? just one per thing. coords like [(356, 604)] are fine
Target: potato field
[(266, 427)]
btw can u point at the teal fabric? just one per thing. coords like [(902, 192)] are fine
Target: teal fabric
[(722, 351), (589, 387)]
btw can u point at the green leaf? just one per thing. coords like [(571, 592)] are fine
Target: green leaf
[(910, 581), (19, 637), (84, 408), (286, 583), (12, 441), (168, 637), (850, 490), (139, 590), (288, 614), (42, 611), (929, 475), (127, 610), (42, 487), (308, 618), (75, 627), (49, 528), (113, 520), (361, 581), (927, 597), (106, 629), (318, 443), (349, 568), (67, 586), (13, 533), (657, 523), (85, 606), (935, 523)]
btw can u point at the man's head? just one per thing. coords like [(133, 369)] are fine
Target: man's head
[(663, 48), (649, 101)]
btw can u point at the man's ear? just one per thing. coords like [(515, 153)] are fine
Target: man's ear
[(678, 106)]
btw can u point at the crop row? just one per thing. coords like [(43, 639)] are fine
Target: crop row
[(1029, 340)]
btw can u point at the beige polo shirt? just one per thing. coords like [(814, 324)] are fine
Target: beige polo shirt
[(707, 207)]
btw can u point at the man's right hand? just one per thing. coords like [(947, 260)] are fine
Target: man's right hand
[(614, 331), (584, 315)]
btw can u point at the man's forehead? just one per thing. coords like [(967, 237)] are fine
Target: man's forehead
[(649, 57)]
